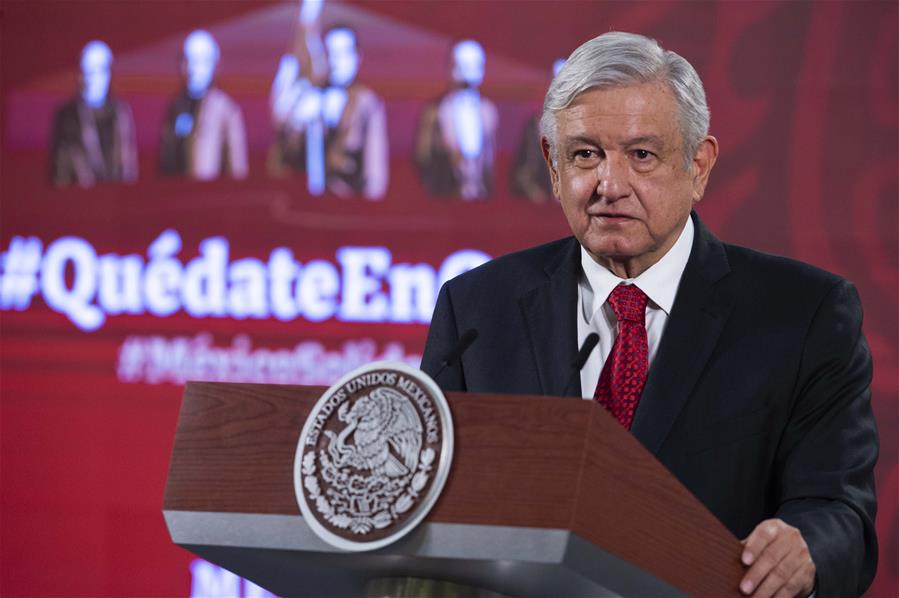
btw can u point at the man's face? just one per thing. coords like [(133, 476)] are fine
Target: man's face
[(620, 174)]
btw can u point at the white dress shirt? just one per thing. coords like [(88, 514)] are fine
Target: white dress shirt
[(594, 314)]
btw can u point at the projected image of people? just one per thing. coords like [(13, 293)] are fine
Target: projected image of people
[(456, 138), (336, 133), (530, 176), (295, 102), (93, 138), (203, 136)]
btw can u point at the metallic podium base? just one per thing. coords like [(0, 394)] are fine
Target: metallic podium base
[(281, 554), (416, 587)]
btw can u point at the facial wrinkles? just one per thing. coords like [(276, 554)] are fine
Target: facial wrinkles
[(616, 134), (615, 163), (624, 116)]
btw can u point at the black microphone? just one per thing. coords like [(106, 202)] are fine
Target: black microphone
[(456, 352), (581, 358)]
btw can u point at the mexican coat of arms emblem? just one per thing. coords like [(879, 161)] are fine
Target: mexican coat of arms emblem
[(373, 456)]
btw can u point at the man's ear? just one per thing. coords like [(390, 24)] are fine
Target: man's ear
[(703, 162), (553, 173)]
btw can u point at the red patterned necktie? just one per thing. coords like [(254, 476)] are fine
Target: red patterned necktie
[(624, 373)]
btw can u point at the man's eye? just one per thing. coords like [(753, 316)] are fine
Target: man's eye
[(585, 154), (642, 154)]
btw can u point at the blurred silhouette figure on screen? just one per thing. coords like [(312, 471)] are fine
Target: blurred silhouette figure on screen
[(295, 102), (530, 176), (356, 157), (93, 137), (203, 135), (331, 127), (456, 138)]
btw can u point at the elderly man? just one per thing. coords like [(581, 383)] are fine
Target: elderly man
[(745, 374)]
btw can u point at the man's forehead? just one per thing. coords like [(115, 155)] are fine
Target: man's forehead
[(643, 97), (640, 111)]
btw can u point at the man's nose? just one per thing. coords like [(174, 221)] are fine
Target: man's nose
[(612, 182)]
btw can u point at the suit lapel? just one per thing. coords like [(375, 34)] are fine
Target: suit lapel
[(549, 311), (697, 319)]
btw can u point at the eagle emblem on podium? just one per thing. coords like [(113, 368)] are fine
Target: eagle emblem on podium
[(386, 434), (373, 456)]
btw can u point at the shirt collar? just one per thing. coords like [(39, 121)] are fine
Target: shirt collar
[(659, 281)]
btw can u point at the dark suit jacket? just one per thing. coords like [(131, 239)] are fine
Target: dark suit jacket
[(757, 400)]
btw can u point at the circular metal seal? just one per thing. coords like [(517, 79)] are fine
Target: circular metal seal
[(373, 456)]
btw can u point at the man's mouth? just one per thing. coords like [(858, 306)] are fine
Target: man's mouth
[(609, 217)]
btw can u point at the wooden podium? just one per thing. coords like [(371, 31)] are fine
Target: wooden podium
[(545, 497)]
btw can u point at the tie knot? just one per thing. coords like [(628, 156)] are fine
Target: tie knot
[(629, 303)]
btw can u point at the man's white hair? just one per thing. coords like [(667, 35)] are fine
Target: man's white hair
[(618, 59)]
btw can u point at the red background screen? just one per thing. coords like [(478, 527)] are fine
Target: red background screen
[(804, 104)]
